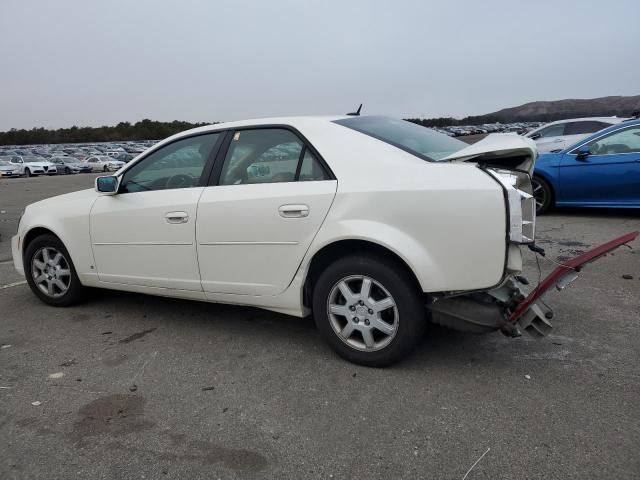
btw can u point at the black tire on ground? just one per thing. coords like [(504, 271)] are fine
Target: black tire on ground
[(104, 169), (75, 292), (407, 296), (27, 172), (67, 170), (543, 194)]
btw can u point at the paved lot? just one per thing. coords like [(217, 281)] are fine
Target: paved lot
[(132, 386)]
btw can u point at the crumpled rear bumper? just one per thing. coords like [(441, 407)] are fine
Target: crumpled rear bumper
[(531, 314)]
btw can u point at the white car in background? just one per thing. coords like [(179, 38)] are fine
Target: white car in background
[(373, 224), (34, 166), (104, 163), (8, 169), (557, 136)]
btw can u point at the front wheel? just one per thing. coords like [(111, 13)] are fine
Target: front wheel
[(369, 310), (27, 172), (50, 272), (105, 169)]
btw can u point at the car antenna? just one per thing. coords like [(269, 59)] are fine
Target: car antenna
[(356, 113)]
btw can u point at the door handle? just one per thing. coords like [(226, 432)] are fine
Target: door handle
[(177, 217), (294, 211)]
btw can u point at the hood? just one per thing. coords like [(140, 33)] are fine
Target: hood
[(7, 168), (74, 198), (506, 150)]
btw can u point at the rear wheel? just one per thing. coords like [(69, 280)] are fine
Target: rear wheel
[(50, 272), (543, 194), (368, 310)]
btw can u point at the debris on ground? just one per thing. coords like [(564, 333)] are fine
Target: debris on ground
[(206, 389), (5, 346), (626, 276), (528, 377), (56, 375), (133, 388), (68, 363), (36, 403)]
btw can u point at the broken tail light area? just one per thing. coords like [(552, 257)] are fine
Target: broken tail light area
[(508, 307), (521, 203)]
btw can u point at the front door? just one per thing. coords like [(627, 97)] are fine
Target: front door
[(256, 223), (608, 175), (145, 234)]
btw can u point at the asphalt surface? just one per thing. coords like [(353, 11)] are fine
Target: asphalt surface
[(133, 386)]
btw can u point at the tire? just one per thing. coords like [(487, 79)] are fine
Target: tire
[(105, 169), (543, 194), (56, 296), (404, 315), (27, 172), (67, 171)]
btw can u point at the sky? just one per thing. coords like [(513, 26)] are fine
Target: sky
[(91, 63)]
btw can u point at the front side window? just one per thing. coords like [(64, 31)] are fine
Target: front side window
[(621, 141), (269, 155), (177, 165), (415, 139)]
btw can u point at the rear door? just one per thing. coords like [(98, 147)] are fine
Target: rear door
[(609, 175), (270, 193)]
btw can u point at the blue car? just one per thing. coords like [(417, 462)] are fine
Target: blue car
[(602, 170)]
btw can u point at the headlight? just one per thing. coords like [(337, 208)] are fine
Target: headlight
[(522, 204)]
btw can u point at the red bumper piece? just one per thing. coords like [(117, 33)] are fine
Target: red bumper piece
[(574, 264)]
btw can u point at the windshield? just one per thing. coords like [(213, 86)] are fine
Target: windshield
[(419, 141), (33, 159)]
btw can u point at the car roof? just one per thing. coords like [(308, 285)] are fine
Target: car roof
[(612, 120)]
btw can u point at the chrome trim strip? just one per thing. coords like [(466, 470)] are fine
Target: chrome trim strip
[(145, 243), (247, 243)]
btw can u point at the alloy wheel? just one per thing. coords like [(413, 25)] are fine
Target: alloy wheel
[(362, 313), (51, 272), (539, 193)]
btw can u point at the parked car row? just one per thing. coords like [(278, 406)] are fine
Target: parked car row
[(462, 130), (31, 166), (34, 160)]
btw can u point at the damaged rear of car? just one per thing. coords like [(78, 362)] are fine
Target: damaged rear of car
[(509, 161)]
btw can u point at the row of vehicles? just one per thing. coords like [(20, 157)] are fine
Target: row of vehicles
[(67, 159), (31, 166)]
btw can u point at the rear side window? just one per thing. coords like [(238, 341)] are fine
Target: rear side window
[(590, 126), (552, 131), (415, 139), (269, 155)]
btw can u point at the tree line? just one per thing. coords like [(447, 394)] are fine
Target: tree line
[(152, 130), (143, 130)]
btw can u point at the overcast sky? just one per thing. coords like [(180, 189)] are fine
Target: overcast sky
[(90, 62)]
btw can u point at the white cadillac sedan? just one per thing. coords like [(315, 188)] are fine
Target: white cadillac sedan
[(374, 225)]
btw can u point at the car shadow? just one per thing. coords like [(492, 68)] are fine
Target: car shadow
[(440, 348)]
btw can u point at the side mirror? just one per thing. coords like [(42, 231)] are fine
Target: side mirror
[(107, 185), (583, 153), (535, 136)]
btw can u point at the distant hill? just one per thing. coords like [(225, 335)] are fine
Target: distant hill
[(561, 109), (545, 111)]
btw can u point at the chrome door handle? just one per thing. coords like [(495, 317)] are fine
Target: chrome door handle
[(294, 211), (177, 217)]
